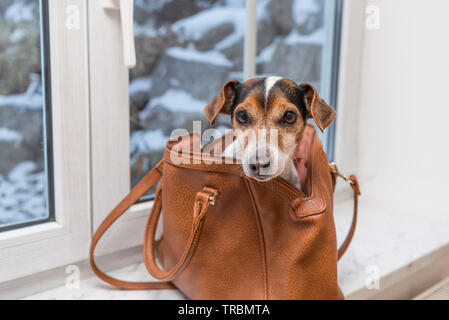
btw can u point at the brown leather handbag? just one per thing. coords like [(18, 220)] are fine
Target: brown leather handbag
[(226, 236)]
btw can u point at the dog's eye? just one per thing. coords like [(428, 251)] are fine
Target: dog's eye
[(289, 117), (242, 117)]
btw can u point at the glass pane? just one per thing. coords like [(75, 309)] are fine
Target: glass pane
[(297, 39), (23, 161), (186, 50)]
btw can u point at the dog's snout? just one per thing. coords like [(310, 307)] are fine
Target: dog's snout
[(258, 165)]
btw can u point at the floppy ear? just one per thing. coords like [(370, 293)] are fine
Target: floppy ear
[(322, 113), (222, 103)]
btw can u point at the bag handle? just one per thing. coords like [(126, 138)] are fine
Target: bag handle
[(203, 199), (352, 180), (148, 181)]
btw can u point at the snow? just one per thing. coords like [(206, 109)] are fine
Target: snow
[(22, 101), (317, 37), (22, 195), (174, 82), (152, 5), (175, 100), (266, 55), (9, 135), (207, 57), (302, 9), (235, 3), (17, 35), (140, 85), (21, 171), (19, 11), (262, 11), (144, 141), (196, 26)]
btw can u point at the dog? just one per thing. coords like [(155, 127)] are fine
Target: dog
[(268, 117)]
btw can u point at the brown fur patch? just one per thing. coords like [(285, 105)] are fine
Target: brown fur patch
[(278, 105)]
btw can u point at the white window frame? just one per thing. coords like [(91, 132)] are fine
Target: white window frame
[(349, 85), (41, 247)]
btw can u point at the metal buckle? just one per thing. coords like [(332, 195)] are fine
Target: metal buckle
[(213, 197), (334, 169)]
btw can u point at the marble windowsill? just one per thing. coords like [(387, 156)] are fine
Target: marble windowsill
[(395, 244)]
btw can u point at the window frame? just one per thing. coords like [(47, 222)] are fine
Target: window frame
[(349, 86), (44, 246)]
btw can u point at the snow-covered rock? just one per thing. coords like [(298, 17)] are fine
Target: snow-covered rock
[(308, 15), (150, 46), (265, 33), (199, 73), (215, 34), (21, 11), (173, 109), (234, 52), (21, 130), (296, 60), (280, 13), (22, 194), (8, 135), (200, 25), (305, 16)]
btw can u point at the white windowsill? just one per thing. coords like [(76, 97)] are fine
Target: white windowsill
[(411, 254), (408, 246)]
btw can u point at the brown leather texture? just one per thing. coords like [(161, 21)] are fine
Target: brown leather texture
[(257, 240)]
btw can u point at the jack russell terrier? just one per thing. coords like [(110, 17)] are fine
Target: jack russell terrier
[(268, 117)]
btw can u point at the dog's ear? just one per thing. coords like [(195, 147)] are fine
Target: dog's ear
[(322, 113), (222, 103)]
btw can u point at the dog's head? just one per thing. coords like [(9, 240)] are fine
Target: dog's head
[(269, 117)]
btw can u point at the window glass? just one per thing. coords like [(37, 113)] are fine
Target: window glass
[(23, 159), (186, 50), (296, 39)]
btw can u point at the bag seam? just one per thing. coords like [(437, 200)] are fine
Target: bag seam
[(261, 239)]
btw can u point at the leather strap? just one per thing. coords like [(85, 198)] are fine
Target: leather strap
[(355, 188), (202, 203), (136, 193)]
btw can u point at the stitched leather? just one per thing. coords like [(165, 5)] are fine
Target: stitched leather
[(259, 241)]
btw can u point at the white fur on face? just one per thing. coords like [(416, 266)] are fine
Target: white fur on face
[(258, 146), (283, 164), (269, 83)]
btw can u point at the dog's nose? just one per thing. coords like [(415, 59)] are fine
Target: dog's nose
[(258, 165)]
